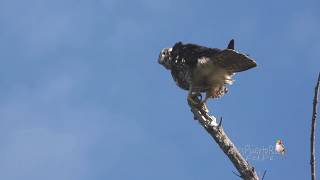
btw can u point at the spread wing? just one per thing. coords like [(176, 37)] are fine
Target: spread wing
[(233, 61)]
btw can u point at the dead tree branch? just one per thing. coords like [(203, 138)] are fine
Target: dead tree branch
[(313, 129), (209, 123), (264, 173)]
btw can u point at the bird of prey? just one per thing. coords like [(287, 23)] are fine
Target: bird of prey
[(280, 147), (201, 69)]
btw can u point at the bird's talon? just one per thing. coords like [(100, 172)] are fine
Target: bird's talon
[(201, 104), (192, 101)]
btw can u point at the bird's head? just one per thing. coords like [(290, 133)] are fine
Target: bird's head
[(165, 58), (279, 141)]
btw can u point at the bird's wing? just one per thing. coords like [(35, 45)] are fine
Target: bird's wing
[(192, 52), (233, 61)]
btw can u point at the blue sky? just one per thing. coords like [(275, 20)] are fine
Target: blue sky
[(82, 95)]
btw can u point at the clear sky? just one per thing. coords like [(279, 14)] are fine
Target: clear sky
[(82, 96)]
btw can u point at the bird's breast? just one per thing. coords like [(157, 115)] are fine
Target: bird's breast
[(209, 74)]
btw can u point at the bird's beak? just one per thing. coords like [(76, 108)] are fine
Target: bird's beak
[(160, 58)]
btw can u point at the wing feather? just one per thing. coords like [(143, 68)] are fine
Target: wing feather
[(191, 53), (233, 61)]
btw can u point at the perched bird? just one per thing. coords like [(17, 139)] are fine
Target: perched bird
[(201, 69), (280, 147)]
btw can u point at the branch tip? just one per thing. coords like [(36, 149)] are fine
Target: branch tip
[(237, 174), (220, 123), (313, 129), (264, 173)]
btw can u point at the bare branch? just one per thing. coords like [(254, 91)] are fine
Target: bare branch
[(209, 123), (313, 129), (236, 174), (264, 173)]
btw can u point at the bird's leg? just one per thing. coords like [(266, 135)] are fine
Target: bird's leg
[(192, 95), (203, 102), (213, 93)]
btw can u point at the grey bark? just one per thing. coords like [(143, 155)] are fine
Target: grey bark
[(313, 129), (247, 172)]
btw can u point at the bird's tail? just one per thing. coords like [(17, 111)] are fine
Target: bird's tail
[(231, 44)]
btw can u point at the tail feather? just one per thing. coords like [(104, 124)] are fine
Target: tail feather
[(231, 44)]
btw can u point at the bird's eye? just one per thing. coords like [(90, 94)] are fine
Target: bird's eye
[(163, 53)]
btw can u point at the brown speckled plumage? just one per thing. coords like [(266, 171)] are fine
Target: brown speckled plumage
[(204, 69)]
